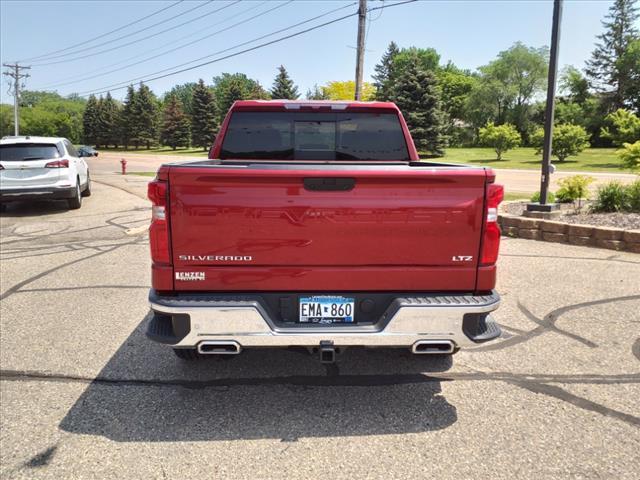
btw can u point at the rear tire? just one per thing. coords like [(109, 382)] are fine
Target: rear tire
[(188, 354), (76, 201), (87, 189)]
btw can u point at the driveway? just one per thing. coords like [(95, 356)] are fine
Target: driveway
[(85, 395)]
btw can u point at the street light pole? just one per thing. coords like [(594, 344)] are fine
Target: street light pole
[(550, 107)]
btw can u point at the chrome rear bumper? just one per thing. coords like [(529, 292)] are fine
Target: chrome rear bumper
[(187, 321)]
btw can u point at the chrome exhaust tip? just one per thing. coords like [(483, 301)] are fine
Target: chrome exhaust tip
[(219, 347), (426, 347)]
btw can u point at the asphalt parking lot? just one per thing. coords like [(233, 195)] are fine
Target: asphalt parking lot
[(85, 395)]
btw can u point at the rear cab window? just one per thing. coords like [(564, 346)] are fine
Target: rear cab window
[(315, 136), (24, 152)]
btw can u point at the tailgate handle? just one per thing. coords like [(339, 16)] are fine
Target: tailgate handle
[(331, 184)]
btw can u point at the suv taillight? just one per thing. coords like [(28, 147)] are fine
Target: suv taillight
[(491, 238), (57, 164), (159, 230)]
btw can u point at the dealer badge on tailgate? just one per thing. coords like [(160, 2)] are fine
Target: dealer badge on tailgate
[(190, 276)]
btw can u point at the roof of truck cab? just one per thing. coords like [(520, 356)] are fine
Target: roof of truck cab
[(297, 104)]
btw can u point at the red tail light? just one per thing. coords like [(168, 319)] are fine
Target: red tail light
[(58, 164), (159, 230), (491, 238)]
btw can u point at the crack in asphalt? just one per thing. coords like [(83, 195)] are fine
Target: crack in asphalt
[(548, 324), (602, 259), (131, 192), (13, 289), (538, 384), (331, 379)]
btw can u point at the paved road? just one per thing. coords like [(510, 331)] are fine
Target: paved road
[(525, 181), (85, 395)]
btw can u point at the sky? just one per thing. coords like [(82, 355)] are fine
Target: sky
[(469, 33)]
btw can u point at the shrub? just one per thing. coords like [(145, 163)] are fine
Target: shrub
[(563, 196), (574, 188), (551, 198), (568, 140), (633, 191), (630, 155), (626, 127), (612, 197), (499, 137)]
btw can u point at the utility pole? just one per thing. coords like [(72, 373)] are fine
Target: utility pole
[(362, 19), (549, 111), (14, 73)]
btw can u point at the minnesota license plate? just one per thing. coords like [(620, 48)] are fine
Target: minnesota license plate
[(326, 309)]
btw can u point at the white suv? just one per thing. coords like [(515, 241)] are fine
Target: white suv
[(38, 168)]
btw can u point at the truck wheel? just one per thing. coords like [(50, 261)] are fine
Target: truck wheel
[(87, 190), (187, 354), (76, 201)]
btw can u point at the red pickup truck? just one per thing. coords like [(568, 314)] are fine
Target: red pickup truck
[(315, 224)]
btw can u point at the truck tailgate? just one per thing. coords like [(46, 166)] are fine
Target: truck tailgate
[(330, 227)]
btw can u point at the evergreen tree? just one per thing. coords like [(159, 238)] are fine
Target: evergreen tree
[(108, 122), (176, 129), (203, 119), (316, 93), (257, 92), (415, 92), (605, 68), (90, 120), (234, 91), (243, 88), (99, 132), (146, 116), (384, 72), (283, 87), (128, 125)]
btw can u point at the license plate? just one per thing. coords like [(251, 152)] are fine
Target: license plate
[(326, 309)]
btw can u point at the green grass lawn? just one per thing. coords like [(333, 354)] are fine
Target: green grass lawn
[(190, 152), (590, 160)]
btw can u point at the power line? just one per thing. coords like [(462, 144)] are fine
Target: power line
[(117, 47), (127, 82), (14, 73), (139, 60), (84, 42), (265, 44)]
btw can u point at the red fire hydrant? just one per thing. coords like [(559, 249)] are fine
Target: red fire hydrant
[(123, 163)]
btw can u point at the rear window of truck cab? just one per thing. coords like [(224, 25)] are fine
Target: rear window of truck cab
[(24, 152), (314, 136)]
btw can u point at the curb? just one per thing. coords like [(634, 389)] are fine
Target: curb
[(574, 234)]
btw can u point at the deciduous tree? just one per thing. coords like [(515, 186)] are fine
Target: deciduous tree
[(568, 140), (501, 138)]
